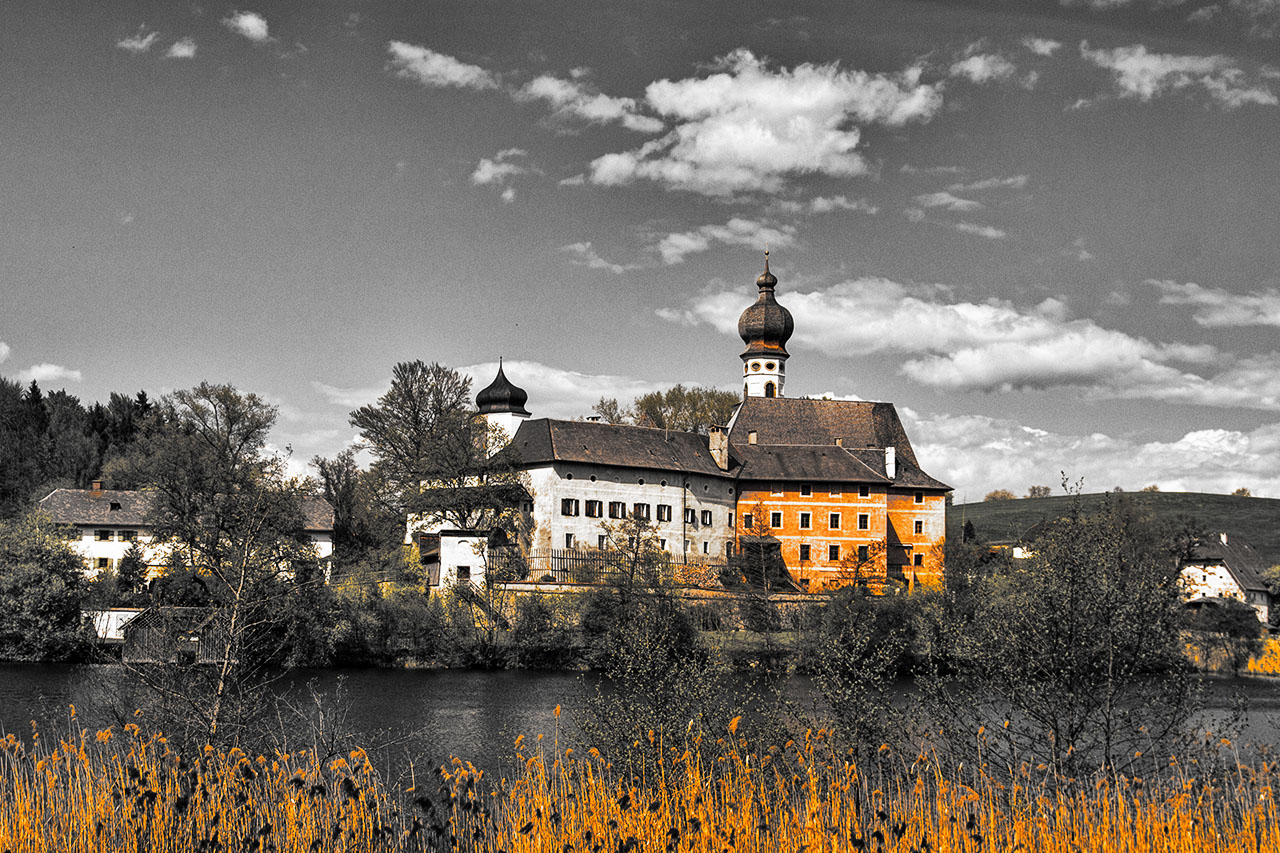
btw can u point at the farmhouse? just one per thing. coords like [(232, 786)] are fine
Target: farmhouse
[(833, 487), (1226, 568)]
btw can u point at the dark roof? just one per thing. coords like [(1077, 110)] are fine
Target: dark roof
[(805, 462), (502, 395), (1237, 555), (85, 507), (796, 420), (908, 475), (545, 440)]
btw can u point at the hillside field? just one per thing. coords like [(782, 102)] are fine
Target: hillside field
[(1255, 520)]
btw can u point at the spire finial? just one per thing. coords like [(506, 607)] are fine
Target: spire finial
[(766, 259)]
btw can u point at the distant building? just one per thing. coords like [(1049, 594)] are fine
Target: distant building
[(832, 486), (1226, 568), (108, 521)]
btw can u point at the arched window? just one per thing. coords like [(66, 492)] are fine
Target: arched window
[(768, 389)]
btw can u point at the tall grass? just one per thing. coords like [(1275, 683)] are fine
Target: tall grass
[(128, 792)]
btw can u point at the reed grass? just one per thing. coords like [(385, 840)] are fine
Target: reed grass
[(123, 791)]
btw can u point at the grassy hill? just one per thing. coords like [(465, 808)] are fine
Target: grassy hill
[(1255, 520)]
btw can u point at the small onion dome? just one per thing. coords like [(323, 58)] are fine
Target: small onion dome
[(502, 396), (765, 327)]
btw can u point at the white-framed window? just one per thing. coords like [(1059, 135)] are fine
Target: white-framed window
[(863, 553), (864, 521), (806, 489), (806, 520), (919, 527), (128, 535), (833, 553), (102, 535), (775, 520), (917, 559), (804, 553), (568, 506), (833, 521)]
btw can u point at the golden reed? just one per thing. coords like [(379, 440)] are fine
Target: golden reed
[(129, 792)]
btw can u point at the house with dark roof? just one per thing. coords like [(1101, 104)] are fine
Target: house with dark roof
[(830, 488), (1226, 568), (105, 523)]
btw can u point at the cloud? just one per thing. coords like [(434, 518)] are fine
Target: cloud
[(251, 25), (436, 70), (573, 99), (4, 351), (947, 201), (1143, 75), (584, 255), (978, 454), (350, 398), (987, 231), (48, 373), (983, 68), (748, 127), (508, 195), (675, 247), (183, 48), (1216, 308), (999, 347), (827, 204), (908, 169), (497, 169), (1011, 182), (1040, 46), (140, 42), (558, 393)]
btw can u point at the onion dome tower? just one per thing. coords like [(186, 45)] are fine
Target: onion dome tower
[(502, 403), (765, 327)]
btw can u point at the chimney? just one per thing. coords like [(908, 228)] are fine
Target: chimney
[(1223, 537), (96, 491), (891, 463), (718, 440), (839, 442), (751, 436)]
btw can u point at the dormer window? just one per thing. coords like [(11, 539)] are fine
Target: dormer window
[(115, 506)]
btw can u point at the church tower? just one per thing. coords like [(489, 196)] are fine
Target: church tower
[(765, 327), (502, 403)]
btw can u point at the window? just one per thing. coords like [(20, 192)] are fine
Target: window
[(128, 535), (833, 553), (706, 516), (568, 540), (464, 574), (747, 521), (594, 509), (864, 521), (806, 490), (919, 497), (917, 559), (115, 506), (662, 544), (664, 512), (863, 553), (640, 510), (102, 535), (864, 491), (804, 553), (104, 563), (833, 521), (600, 540), (686, 545), (775, 519), (919, 527), (617, 509), (706, 546), (806, 519), (728, 550), (775, 488), (835, 491), (690, 516), (568, 476), (568, 506)]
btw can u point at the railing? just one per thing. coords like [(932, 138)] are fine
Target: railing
[(594, 566)]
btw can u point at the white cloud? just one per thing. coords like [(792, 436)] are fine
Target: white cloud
[(251, 25), (350, 398), (508, 195), (572, 99), (908, 169), (558, 393), (978, 454), (432, 69), (1216, 308), (747, 127), (4, 351), (983, 68), (584, 255), (1012, 182), (947, 201), (1143, 75), (1040, 46), (48, 373), (500, 167), (183, 48), (989, 232), (675, 247), (827, 204), (140, 42)]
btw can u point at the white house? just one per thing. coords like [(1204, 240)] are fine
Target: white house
[(108, 521), (1223, 568)]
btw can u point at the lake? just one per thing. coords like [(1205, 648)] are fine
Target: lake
[(427, 716)]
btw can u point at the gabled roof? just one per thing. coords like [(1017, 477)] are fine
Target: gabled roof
[(132, 508), (796, 420), (908, 474), (806, 462), (1238, 556), (544, 440)]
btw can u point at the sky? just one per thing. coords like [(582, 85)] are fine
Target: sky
[(1045, 229)]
